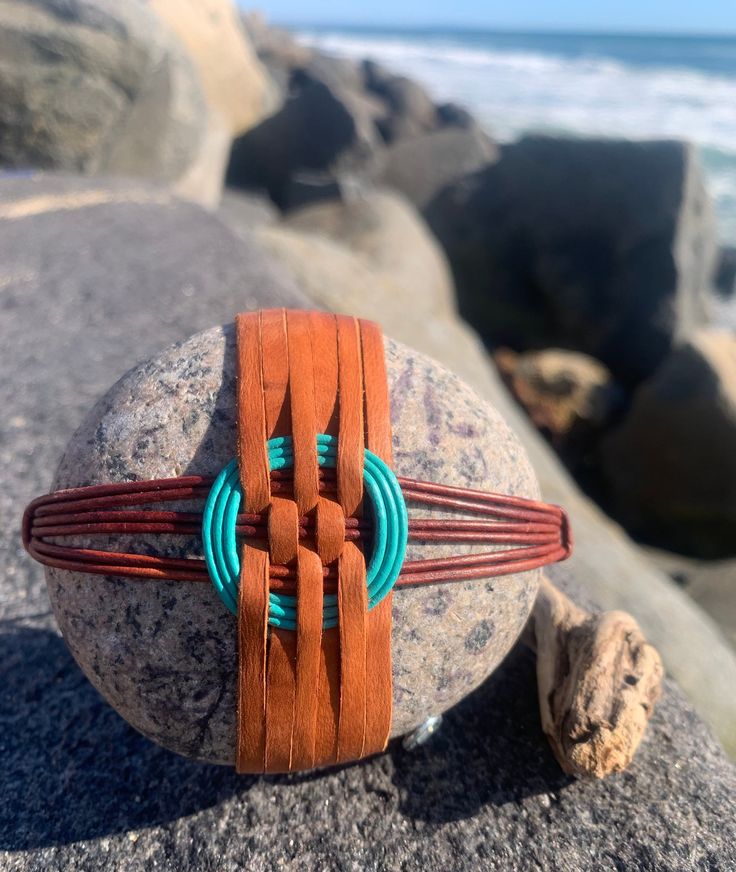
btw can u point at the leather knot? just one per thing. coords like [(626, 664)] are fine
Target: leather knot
[(329, 532), (283, 530)]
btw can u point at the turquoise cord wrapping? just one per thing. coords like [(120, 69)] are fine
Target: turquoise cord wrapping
[(390, 531)]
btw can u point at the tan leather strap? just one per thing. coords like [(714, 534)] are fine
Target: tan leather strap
[(378, 438), (309, 701)]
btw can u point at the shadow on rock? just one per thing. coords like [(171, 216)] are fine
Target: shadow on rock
[(72, 768), (490, 750)]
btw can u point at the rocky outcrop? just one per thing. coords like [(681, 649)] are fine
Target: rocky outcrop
[(602, 246), (671, 465), (234, 81), (421, 167), (101, 87)]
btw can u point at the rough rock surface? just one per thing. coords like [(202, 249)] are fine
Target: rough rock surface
[(164, 654), (80, 789), (235, 83), (603, 246), (671, 465), (97, 87), (423, 166)]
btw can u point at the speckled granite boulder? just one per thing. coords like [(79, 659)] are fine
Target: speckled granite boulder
[(164, 653)]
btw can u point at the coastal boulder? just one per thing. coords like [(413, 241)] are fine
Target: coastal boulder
[(424, 165), (410, 110), (164, 654), (322, 130), (388, 234), (603, 246), (101, 87), (671, 465), (235, 83)]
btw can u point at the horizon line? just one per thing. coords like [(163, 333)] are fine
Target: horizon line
[(537, 30)]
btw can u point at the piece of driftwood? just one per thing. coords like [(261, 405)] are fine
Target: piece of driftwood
[(597, 678)]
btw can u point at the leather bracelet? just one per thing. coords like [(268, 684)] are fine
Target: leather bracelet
[(303, 536)]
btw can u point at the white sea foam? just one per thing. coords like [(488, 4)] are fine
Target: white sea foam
[(516, 91)]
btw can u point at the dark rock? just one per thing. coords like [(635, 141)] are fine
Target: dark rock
[(605, 247), (453, 115), (319, 129), (424, 165), (411, 110), (96, 87), (725, 281), (671, 465)]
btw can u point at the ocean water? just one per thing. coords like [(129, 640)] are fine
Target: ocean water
[(608, 85)]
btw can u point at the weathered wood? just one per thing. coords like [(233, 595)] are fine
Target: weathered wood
[(597, 679)]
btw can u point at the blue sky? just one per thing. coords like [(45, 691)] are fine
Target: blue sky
[(703, 16)]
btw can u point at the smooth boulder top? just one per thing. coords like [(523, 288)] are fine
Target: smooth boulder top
[(164, 653)]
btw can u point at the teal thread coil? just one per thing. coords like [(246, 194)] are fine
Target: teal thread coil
[(390, 531)]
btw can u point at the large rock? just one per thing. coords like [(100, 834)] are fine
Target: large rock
[(128, 268), (671, 465), (385, 231), (424, 165), (101, 87), (321, 129), (235, 83), (603, 246), (153, 667), (410, 109), (80, 789)]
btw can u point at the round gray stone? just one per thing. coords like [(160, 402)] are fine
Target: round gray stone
[(164, 653)]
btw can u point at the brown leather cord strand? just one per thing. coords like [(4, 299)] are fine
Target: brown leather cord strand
[(302, 398), (379, 441), (281, 674), (255, 573), (352, 598), (39, 519), (329, 524)]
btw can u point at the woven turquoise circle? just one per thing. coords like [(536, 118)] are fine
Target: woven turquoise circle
[(390, 531)]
